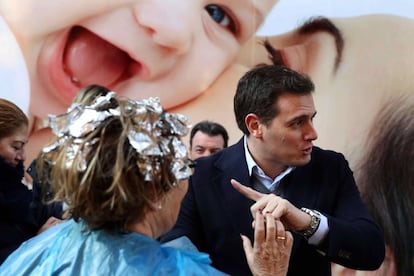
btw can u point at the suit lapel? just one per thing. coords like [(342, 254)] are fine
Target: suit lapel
[(232, 164)]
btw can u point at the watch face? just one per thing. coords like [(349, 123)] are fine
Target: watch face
[(314, 224)]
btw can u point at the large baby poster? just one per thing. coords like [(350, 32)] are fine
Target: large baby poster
[(191, 54)]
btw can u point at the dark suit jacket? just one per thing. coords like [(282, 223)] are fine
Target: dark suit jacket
[(16, 222), (213, 214), (42, 193)]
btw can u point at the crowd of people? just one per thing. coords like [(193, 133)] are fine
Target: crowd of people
[(116, 191), (121, 168), (118, 181), (76, 187), (114, 183)]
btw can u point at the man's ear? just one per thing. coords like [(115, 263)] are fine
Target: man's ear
[(253, 125)]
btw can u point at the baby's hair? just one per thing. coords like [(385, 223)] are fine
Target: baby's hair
[(385, 177)]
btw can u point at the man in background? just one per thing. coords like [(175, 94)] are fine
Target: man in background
[(206, 138)]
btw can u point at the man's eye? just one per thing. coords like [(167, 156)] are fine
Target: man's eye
[(296, 124), (221, 17)]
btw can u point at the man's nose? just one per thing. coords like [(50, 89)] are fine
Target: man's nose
[(205, 153), (311, 134), (171, 23)]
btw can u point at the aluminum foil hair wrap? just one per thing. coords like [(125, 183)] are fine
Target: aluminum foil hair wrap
[(153, 133)]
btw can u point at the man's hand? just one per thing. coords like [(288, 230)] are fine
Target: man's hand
[(280, 208)]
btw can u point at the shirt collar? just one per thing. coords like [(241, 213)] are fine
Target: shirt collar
[(251, 164)]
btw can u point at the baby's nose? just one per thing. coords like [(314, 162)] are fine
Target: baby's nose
[(171, 23)]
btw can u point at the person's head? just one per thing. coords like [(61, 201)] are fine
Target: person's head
[(356, 63), (385, 177), (206, 138), (13, 133), (140, 48), (274, 105), (119, 164), (88, 94)]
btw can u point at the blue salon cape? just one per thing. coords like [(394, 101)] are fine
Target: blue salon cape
[(66, 249)]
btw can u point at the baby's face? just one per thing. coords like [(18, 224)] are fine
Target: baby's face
[(172, 49)]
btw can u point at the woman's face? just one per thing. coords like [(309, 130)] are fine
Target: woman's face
[(12, 147), (172, 49), (352, 82)]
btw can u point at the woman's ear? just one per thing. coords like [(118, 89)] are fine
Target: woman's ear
[(253, 125)]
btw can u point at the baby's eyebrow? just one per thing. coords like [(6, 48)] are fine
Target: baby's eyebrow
[(323, 24)]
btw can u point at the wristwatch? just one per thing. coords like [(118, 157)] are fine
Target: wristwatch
[(314, 224)]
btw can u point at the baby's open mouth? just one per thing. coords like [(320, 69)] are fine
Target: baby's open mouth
[(88, 59)]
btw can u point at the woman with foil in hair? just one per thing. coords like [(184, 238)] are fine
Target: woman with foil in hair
[(47, 212), (122, 169)]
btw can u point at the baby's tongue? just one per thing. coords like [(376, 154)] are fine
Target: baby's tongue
[(88, 59)]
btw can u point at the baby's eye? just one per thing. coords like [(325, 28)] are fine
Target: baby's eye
[(219, 15)]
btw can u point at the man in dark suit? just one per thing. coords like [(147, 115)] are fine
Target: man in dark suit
[(310, 190)]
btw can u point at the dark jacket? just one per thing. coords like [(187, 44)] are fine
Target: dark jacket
[(213, 214), (16, 222), (41, 207)]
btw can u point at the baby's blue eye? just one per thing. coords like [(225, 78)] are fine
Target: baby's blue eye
[(220, 16)]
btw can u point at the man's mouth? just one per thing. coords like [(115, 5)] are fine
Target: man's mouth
[(88, 59), (307, 151)]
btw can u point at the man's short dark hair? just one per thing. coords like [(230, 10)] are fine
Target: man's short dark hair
[(258, 91), (211, 129)]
